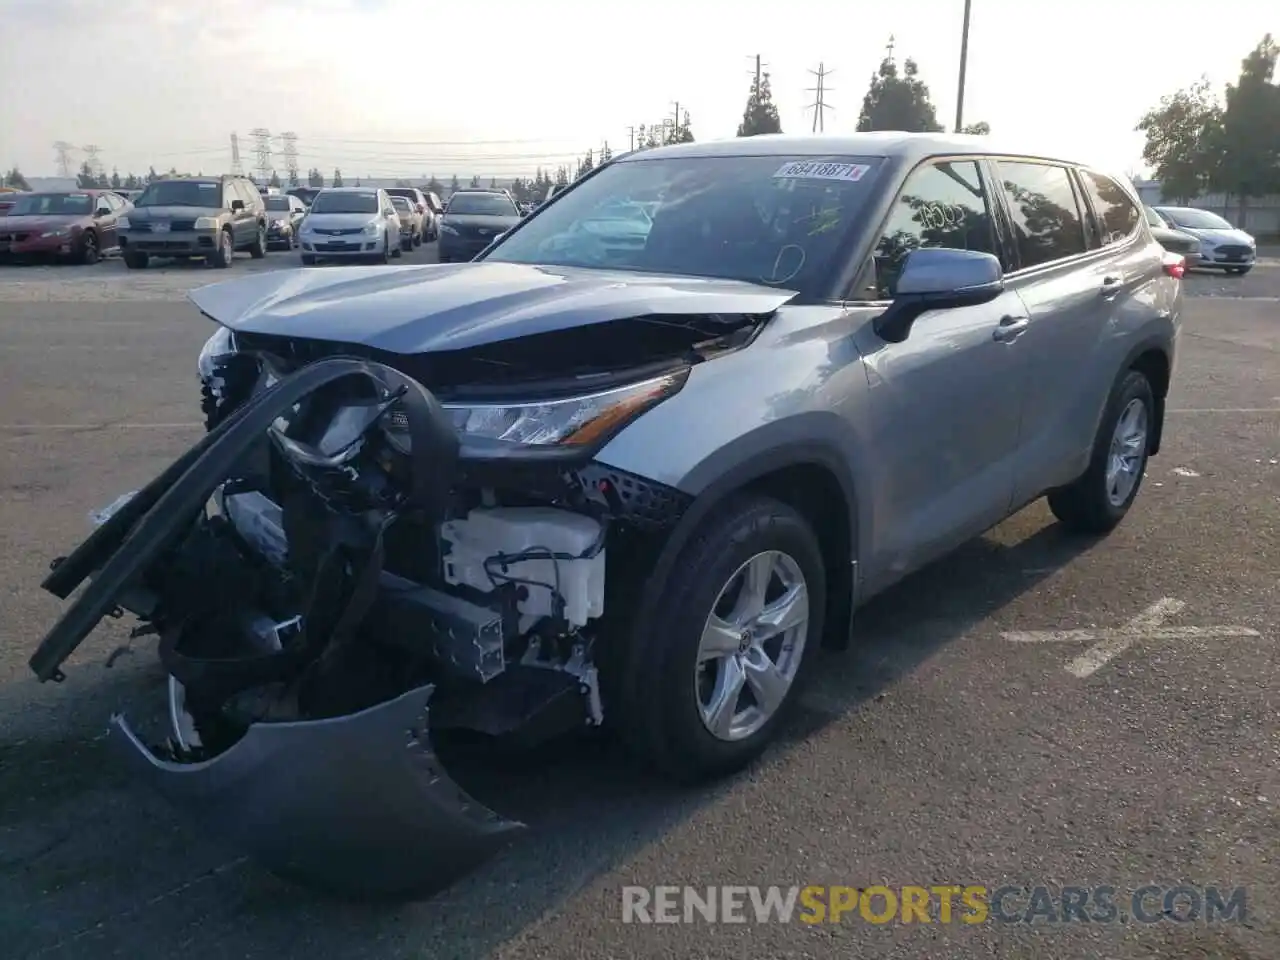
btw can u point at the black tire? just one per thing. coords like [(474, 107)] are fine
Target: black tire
[(1086, 506), (136, 261), (258, 250), (385, 256), (417, 239), (222, 257), (655, 699), (89, 252), (308, 260)]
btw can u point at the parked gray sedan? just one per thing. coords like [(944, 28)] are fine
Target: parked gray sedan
[(1222, 246), (823, 363)]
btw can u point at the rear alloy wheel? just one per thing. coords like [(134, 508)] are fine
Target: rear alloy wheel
[(724, 653), (1099, 499), (89, 253)]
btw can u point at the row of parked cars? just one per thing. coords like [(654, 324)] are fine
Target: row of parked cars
[(211, 218)]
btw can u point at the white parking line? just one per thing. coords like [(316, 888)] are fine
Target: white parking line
[(1108, 644), (28, 427), (1194, 410)]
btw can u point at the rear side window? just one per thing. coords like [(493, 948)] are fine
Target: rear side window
[(1118, 216), (1047, 225), (941, 205)]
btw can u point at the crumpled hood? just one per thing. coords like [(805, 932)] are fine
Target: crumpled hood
[(436, 307), (1219, 236), (37, 224)]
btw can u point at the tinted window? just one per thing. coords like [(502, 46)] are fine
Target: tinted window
[(343, 202), (1046, 218), (182, 193), (1117, 215), (764, 219), (941, 205), (488, 204), (52, 204), (279, 203), (1195, 219)]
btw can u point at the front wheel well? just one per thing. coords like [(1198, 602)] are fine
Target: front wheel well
[(1154, 365), (814, 491)]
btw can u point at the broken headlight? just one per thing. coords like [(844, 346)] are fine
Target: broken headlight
[(221, 344), (568, 422)]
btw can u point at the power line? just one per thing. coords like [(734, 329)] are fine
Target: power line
[(63, 151), (820, 105)]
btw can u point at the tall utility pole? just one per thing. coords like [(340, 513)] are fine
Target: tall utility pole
[(820, 105), (631, 132), (675, 124), (291, 155), (63, 151), (237, 167), (91, 153), (262, 151), (758, 71), (964, 63)]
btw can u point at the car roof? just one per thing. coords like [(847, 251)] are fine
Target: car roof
[(881, 143), (351, 189)]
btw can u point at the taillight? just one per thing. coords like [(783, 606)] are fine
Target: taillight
[(1175, 266)]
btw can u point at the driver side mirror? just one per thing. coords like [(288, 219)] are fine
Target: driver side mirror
[(939, 278), (103, 212), (237, 205)]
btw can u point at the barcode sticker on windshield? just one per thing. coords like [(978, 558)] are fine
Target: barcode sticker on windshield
[(821, 170)]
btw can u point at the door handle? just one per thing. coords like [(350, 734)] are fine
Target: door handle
[(1010, 329), (1111, 285)]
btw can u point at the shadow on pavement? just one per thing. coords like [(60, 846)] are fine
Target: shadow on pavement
[(92, 867)]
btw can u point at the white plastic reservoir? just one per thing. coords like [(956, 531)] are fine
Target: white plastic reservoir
[(488, 532)]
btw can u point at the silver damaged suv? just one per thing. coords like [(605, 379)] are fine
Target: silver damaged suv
[(632, 467)]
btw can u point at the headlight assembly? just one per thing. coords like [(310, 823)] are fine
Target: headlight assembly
[(371, 228), (206, 223), (568, 423), (221, 344)]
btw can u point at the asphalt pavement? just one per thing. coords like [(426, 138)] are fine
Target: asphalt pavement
[(989, 728)]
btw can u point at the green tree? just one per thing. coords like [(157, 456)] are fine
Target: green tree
[(435, 186), (15, 179), (86, 179), (475, 180), (337, 178), (493, 183), (115, 179), (896, 102), (606, 154), (1183, 141), (585, 165), (681, 132), (315, 178), (981, 128), (761, 115), (152, 176), (562, 175), (453, 184), (1249, 138), (275, 180), (133, 182)]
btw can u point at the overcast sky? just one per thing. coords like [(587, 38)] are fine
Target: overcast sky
[(400, 87)]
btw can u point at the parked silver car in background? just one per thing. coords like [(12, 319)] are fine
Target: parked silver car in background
[(813, 365), (1222, 246), (350, 222)]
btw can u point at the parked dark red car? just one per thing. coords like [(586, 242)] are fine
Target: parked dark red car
[(77, 224)]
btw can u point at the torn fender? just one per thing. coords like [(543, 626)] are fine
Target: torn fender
[(358, 805)]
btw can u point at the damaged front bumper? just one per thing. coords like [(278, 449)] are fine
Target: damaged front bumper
[(356, 805), (354, 802)]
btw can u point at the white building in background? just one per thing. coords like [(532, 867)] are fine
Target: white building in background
[(1262, 214)]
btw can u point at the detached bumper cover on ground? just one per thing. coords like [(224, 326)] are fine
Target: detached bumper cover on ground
[(356, 804)]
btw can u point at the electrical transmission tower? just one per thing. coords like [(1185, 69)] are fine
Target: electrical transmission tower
[(63, 151), (262, 151), (237, 167), (820, 105), (291, 155), (91, 157)]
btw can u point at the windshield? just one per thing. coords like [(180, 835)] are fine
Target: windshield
[(279, 204), (345, 203), (482, 204), (763, 219), (1196, 219), (52, 204), (401, 203), (181, 193), (406, 192)]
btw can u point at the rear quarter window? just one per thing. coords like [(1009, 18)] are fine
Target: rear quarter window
[(1117, 215)]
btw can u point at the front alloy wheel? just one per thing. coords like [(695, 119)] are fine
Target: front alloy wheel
[(752, 645)]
